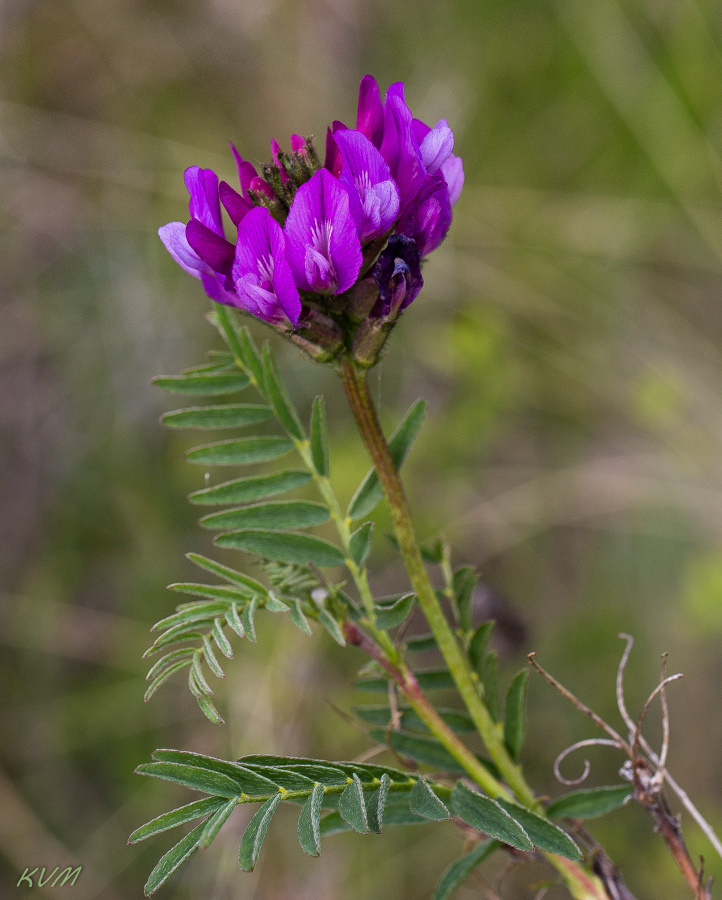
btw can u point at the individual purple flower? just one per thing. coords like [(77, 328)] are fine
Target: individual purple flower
[(398, 275), (204, 205), (426, 219), (373, 195), (370, 115), (261, 275), (322, 244), (400, 148), (436, 145)]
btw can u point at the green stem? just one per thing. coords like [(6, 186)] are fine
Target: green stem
[(466, 681)]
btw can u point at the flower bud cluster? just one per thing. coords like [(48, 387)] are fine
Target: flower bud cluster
[(330, 255)]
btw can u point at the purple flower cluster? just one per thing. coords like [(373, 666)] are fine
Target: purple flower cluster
[(320, 248)]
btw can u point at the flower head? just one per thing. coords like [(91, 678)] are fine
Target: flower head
[(328, 255)]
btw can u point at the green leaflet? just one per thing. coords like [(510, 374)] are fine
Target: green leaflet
[(459, 721), (462, 868), (394, 814), (392, 612), (420, 643), (247, 619), (247, 782), (542, 833), (254, 487), (240, 452), (360, 544), (230, 416), (278, 396), (369, 492), (228, 574), (256, 832), (175, 817), (352, 807), (206, 780), (173, 860), (309, 822), (589, 803), (200, 383), (331, 626), (478, 645), (425, 750), (488, 816), (165, 675), (376, 803), (298, 618), (319, 438), (234, 621), (214, 824), (275, 515), (221, 640), (465, 580), (289, 547), (209, 711), (424, 802), (515, 714)]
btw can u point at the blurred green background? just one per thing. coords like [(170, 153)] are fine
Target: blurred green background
[(568, 341)]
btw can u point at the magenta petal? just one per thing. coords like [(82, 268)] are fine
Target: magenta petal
[(211, 247), (174, 238), (333, 161), (298, 143), (322, 244), (214, 287), (436, 146), (235, 205), (401, 150), (427, 218), (204, 204), (453, 172), (370, 116), (262, 277), (373, 195), (246, 171)]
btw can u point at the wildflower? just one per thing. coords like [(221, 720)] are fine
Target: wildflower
[(327, 255)]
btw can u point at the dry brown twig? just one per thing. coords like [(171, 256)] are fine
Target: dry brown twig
[(648, 773)]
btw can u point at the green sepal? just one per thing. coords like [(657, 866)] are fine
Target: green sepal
[(173, 860), (232, 415), (319, 438), (424, 802), (255, 833), (175, 817), (515, 714), (285, 546), (214, 824), (276, 516), (589, 803), (352, 807), (376, 803), (542, 833), (369, 492), (240, 451), (278, 396), (203, 384), (394, 611), (250, 488), (488, 816), (309, 834), (360, 544), (459, 871)]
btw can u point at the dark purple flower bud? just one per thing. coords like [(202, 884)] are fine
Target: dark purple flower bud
[(398, 276), (373, 195), (400, 148), (213, 249), (322, 244), (261, 275), (298, 144), (370, 116), (428, 217)]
